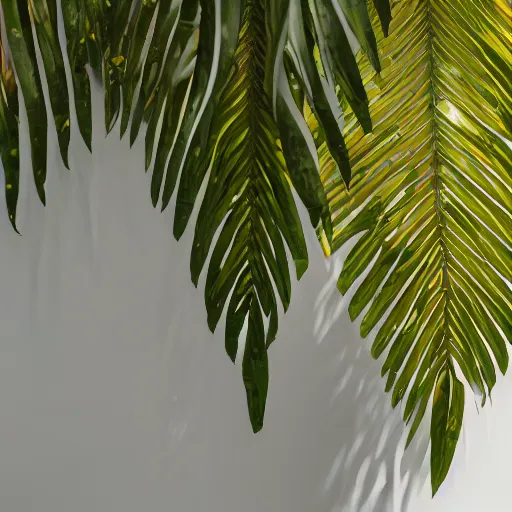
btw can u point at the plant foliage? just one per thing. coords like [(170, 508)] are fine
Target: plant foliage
[(214, 82), (431, 197), (247, 97)]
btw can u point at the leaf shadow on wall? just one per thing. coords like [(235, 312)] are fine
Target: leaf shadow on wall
[(114, 319), (370, 471), (152, 407), (360, 464), (331, 441)]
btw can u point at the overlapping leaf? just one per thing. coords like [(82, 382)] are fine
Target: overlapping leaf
[(44, 16), (21, 44), (431, 197), (73, 14), (247, 184), (222, 119), (9, 135), (431, 185)]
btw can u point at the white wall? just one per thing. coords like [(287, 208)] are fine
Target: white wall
[(114, 396)]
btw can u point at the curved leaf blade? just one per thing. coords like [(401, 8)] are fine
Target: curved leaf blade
[(430, 193), (21, 43)]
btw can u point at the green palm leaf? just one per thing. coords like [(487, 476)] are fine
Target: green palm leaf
[(215, 57), (44, 14), (431, 197), (247, 184), (9, 135), (168, 12), (21, 44), (168, 92), (73, 15), (231, 84)]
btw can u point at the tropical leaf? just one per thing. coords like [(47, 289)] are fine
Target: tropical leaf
[(431, 199), (384, 12), (134, 62), (9, 135), (236, 132), (356, 13), (234, 118), (168, 93), (215, 58), (73, 15), (21, 44), (225, 89), (338, 62), (248, 185), (300, 50), (151, 67), (44, 15)]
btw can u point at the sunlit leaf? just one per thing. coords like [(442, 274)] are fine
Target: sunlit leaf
[(247, 183), (431, 198)]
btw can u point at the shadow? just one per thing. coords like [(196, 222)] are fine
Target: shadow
[(355, 456), (331, 440), (370, 469), (115, 395)]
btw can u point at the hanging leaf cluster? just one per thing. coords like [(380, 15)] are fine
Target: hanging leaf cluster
[(431, 199), (407, 145), (216, 85)]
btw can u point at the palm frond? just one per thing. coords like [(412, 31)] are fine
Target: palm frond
[(247, 184), (215, 58), (73, 15), (151, 67), (44, 15), (228, 82), (21, 45), (9, 135), (431, 197)]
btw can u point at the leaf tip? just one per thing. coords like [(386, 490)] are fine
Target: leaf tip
[(301, 266), (256, 426), (212, 324)]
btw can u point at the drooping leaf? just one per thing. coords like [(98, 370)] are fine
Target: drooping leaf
[(73, 15), (44, 14), (170, 10), (301, 47), (447, 412), (248, 185), (9, 136), (338, 60), (356, 13), (195, 164), (171, 92), (300, 162), (167, 12), (431, 198), (111, 42), (384, 11), (21, 44), (204, 70), (255, 367), (96, 12)]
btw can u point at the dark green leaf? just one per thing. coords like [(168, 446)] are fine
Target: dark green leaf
[(447, 413), (45, 19), (74, 24), (21, 42)]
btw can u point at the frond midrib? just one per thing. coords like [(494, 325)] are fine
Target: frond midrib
[(422, 131), (436, 181), (254, 97)]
